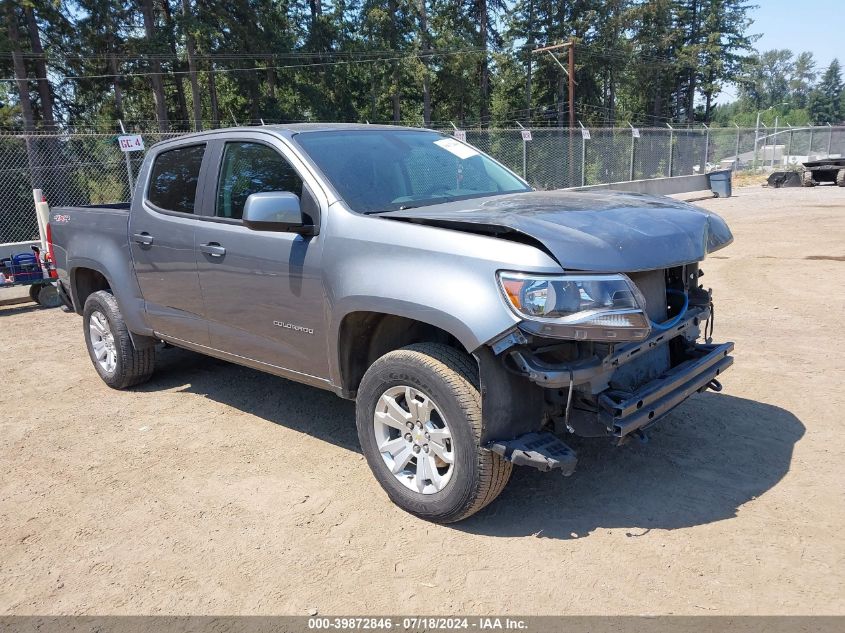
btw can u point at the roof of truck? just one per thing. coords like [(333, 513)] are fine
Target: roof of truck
[(286, 130), (294, 128)]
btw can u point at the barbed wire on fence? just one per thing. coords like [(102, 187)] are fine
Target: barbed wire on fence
[(76, 168)]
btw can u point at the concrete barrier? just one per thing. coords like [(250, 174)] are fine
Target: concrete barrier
[(663, 186)]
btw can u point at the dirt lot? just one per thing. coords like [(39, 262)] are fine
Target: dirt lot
[(217, 489)]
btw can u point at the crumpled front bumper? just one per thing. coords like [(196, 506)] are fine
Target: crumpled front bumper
[(624, 413), (621, 413)]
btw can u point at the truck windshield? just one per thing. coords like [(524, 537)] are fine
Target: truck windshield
[(385, 170)]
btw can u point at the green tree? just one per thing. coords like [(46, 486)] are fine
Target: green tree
[(825, 102), (764, 79), (803, 76)]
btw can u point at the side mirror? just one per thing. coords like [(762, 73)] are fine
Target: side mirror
[(275, 211)]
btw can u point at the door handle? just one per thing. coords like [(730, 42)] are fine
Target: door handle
[(143, 238), (213, 248)]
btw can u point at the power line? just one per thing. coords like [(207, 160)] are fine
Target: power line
[(588, 49), (161, 57), (415, 55)]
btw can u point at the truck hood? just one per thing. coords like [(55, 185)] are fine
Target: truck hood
[(595, 231)]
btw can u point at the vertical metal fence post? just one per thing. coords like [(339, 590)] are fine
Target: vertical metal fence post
[(706, 149), (736, 150), (633, 145), (524, 160), (810, 146), (829, 138), (583, 155), (671, 148), (524, 153), (756, 141), (774, 142), (128, 164), (789, 147)]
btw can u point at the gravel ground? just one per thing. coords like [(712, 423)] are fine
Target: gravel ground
[(216, 489)]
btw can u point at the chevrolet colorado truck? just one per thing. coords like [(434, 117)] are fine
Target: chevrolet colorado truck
[(477, 323)]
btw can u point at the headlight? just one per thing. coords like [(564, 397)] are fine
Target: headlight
[(596, 307)]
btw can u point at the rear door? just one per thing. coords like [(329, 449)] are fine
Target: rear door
[(162, 232), (263, 291)]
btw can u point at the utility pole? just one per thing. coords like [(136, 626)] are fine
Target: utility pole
[(569, 72)]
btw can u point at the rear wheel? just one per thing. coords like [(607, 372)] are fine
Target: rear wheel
[(110, 347), (419, 424), (840, 178), (807, 179)]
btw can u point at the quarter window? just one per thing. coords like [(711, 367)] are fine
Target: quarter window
[(252, 168), (174, 178)]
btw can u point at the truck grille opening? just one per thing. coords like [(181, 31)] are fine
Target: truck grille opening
[(648, 366)]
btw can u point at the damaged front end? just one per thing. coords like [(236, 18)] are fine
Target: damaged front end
[(601, 356)]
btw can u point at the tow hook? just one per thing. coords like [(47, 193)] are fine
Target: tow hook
[(715, 385)]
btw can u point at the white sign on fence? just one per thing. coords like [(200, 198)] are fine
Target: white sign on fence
[(526, 135), (635, 132), (585, 134), (133, 143), (461, 135)]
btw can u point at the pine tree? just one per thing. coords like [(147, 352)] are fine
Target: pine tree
[(825, 102)]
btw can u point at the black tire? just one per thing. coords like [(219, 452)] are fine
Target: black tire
[(807, 179), (450, 378), (840, 178), (48, 297), (133, 366), (34, 289)]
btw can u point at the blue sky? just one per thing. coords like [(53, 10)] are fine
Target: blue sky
[(802, 25)]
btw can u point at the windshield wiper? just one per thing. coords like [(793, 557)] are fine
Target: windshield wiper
[(417, 203)]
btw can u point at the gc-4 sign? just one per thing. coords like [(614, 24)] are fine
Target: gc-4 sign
[(133, 143)]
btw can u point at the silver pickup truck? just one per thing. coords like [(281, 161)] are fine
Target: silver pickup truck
[(477, 323)]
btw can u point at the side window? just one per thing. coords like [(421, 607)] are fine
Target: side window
[(251, 168), (174, 177)]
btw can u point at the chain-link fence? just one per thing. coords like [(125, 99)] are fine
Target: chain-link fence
[(89, 168), (71, 169)]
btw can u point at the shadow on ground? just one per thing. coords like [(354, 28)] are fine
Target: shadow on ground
[(702, 462), (309, 410), (21, 307)]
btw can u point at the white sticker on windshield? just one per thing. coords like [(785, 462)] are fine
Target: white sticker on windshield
[(458, 149)]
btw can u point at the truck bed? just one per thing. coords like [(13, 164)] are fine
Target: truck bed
[(78, 231)]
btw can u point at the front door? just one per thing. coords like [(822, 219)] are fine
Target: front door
[(162, 242), (262, 291)]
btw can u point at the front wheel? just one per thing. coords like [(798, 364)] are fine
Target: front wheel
[(110, 347), (419, 424)]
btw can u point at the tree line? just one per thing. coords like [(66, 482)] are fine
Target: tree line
[(778, 83), (191, 64)]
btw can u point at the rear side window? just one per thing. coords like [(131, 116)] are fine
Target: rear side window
[(173, 182), (252, 168)]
